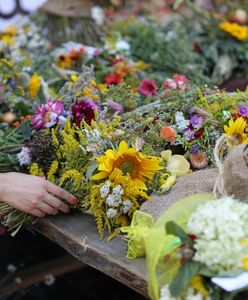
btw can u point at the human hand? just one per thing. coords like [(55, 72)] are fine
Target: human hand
[(33, 195)]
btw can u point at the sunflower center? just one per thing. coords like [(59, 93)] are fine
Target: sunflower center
[(126, 167)]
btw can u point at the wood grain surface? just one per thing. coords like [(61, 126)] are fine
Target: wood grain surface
[(77, 234)]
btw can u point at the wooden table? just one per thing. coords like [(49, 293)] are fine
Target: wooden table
[(77, 234)]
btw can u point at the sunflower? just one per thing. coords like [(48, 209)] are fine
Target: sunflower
[(138, 166), (237, 130)]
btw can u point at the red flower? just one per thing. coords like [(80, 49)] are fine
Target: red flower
[(168, 133), (84, 110), (148, 87), (112, 78)]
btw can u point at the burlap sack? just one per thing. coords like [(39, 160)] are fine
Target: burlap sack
[(72, 8), (235, 172), (196, 182), (231, 178)]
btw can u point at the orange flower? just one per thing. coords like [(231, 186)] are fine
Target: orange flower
[(168, 133)]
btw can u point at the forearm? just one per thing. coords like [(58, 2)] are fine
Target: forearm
[(3, 181)]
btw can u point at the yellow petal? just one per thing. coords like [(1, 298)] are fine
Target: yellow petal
[(166, 155), (99, 176), (178, 165)]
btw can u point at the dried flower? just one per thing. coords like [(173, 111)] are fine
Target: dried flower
[(199, 160)]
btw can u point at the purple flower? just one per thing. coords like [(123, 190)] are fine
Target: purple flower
[(191, 111), (189, 134), (47, 115), (194, 149), (84, 110), (196, 121), (243, 111), (115, 106)]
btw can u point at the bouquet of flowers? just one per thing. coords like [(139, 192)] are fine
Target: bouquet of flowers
[(197, 249)]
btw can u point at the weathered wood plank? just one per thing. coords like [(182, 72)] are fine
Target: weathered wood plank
[(77, 234)]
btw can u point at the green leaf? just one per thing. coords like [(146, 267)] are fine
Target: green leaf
[(91, 170), (183, 277), (172, 228), (25, 129)]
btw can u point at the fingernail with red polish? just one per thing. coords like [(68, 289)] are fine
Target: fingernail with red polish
[(74, 201)]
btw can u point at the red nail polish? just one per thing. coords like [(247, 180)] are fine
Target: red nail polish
[(74, 201)]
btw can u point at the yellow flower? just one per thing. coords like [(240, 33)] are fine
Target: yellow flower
[(35, 170), (244, 242), (197, 284), (103, 88), (140, 167), (141, 65), (63, 61), (88, 93), (7, 40), (238, 31), (74, 78), (176, 164), (11, 30), (237, 130), (245, 262), (34, 85)]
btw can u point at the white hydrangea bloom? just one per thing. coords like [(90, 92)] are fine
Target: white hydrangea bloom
[(111, 213), (127, 204), (190, 294), (220, 226), (165, 293), (24, 157), (104, 190), (181, 122)]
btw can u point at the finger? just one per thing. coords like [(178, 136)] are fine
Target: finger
[(59, 192), (56, 203), (47, 208), (37, 213)]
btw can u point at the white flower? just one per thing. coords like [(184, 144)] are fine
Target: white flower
[(113, 200), (127, 204), (24, 157), (190, 294), (97, 14), (118, 191), (49, 279), (220, 225), (226, 114), (111, 213), (122, 45), (181, 122), (104, 190)]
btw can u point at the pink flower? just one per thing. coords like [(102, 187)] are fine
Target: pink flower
[(169, 84), (48, 114), (84, 109), (178, 82), (148, 87), (181, 81)]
